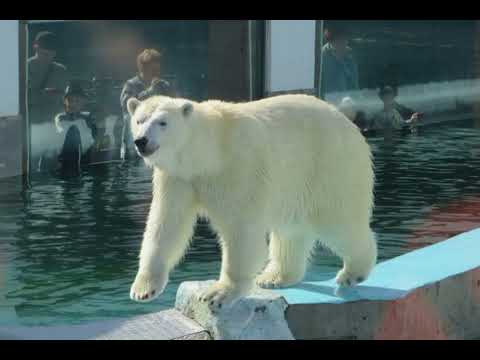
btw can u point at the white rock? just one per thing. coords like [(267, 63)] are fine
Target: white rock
[(260, 316)]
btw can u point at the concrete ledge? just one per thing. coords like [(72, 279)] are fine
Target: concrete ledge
[(431, 293), (260, 316), (164, 325), (448, 309)]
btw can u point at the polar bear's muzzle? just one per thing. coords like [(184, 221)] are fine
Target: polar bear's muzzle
[(144, 147)]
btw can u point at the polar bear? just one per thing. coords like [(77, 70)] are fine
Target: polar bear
[(290, 166)]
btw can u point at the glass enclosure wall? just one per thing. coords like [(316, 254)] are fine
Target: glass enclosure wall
[(429, 65), (413, 89), (78, 74)]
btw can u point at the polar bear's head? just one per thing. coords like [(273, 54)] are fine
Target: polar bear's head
[(160, 128)]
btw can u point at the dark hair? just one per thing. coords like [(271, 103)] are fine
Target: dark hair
[(336, 31), (146, 57), (390, 77), (386, 90), (46, 40), (74, 89)]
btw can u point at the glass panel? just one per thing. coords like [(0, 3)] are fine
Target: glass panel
[(69, 244), (77, 78), (413, 89)]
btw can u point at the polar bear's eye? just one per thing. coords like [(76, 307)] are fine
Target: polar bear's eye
[(162, 123)]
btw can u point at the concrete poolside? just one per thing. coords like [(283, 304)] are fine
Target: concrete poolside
[(431, 293), (164, 325)]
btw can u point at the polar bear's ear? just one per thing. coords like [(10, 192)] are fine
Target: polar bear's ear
[(132, 105), (187, 109)]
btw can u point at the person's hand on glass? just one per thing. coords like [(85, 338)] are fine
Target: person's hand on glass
[(414, 118), (155, 82)]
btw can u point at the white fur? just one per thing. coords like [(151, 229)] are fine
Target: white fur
[(292, 166)]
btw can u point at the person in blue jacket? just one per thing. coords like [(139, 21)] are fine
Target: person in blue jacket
[(339, 75)]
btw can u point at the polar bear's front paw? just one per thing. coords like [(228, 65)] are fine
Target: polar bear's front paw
[(221, 296), (147, 287), (346, 278)]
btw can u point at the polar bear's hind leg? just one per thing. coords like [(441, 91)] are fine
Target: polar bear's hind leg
[(358, 249), (289, 251)]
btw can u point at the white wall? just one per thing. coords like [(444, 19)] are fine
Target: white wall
[(9, 68), (290, 55)]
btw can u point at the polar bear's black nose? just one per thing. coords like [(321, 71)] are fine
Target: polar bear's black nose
[(141, 144)]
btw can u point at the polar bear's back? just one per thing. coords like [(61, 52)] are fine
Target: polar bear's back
[(301, 153), (298, 124), (293, 114)]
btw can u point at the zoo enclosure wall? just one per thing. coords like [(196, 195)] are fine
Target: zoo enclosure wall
[(242, 59)]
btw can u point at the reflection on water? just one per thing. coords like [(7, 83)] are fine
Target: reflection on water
[(69, 247)]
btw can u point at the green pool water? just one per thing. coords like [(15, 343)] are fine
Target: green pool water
[(69, 247)]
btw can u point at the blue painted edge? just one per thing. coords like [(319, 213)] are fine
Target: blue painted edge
[(397, 277)]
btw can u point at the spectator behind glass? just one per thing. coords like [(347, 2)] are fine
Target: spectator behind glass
[(390, 77), (145, 84), (339, 69), (67, 137), (46, 79), (389, 118), (75, 101), (76, 128)]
